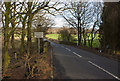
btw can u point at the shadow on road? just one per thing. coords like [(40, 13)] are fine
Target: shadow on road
[(59, 71)]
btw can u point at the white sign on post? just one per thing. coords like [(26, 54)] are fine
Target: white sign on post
[(38, 35)]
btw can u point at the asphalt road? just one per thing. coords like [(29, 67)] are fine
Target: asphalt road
[(74, 63)]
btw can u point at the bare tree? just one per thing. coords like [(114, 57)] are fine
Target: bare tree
[(14, 21), (32, 9), (65, 35), (15, 12), (5, 20), (41, 22), (10, 22), (79, 17), (97, 7)]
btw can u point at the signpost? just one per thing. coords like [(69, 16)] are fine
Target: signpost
[(38, 35)]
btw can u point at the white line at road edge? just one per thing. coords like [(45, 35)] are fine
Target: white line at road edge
[(104, 70), (77, 54)]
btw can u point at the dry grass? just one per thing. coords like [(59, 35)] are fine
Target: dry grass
[(17, 70)]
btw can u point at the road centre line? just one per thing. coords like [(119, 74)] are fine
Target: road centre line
[(77, 54), (104, 70), (67, 49), (73, 52), (95, 65)]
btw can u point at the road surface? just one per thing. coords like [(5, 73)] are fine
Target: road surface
[(74, 63)]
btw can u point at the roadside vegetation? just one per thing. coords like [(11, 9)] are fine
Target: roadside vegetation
[(52, 36), (96, 43), (20, 20)]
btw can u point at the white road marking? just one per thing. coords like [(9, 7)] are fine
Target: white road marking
[(74, 53), (67, 49), (104, 70), (77, 54)]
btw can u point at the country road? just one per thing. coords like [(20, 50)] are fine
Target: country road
[(74, 63)]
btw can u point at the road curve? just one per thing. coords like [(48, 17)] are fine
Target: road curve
[(74, 63)]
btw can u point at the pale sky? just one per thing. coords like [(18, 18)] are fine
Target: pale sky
[(59, 21)]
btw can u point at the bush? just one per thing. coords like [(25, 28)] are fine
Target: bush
[(65, 35), (46, 45)]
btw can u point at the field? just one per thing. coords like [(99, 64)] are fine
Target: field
[(96, 43)]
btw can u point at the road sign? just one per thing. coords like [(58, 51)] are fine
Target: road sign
[(38, 34)]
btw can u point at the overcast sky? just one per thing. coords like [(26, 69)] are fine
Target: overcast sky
[(59, 21)]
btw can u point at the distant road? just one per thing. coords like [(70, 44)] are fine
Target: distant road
[(73, 63)]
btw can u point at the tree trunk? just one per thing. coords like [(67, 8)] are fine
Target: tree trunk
[(84, 36), (84, 42), (89, 40), (29, 36), (79, 32), (29, 27), (92, 32), (12, 43), (23, 36), (6, 41), (78, 37), (13, 27), (91, 43)]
